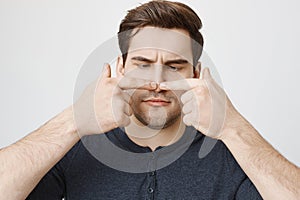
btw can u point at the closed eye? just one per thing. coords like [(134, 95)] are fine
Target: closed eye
[(174, 69), (144, 66)]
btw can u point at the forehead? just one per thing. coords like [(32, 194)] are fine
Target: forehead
[(173, 42)]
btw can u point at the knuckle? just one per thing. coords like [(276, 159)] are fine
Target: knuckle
[(185, 109), (115, 124), (182, 98), (127, 110), (186, 120), (111, 81), (202, 90), (119, 121), (186, 96), (124, 120)]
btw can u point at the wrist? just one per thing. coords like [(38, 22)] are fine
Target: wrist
[(236, 127), (61, 129)]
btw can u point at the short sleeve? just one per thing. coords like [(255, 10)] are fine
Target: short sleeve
[(247, 191), (52, 185)]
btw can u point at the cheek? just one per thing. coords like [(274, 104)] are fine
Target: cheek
[(177, 95), (137, 96)]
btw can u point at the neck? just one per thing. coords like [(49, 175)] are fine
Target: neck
[(152, 138)]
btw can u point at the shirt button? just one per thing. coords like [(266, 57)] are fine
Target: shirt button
[(152, 173), (150, 190)]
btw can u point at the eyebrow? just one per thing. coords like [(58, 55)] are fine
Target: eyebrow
[(176, 61), (143, 59)]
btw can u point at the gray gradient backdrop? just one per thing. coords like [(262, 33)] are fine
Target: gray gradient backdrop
[(254, 45)]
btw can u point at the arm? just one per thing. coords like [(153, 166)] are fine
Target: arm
[(23, 164), (272, 174), (207, 108)]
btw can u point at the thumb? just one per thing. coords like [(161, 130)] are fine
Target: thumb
[(206, 73), (106, 72)]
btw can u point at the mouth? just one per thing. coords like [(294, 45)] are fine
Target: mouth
[(156, 102)]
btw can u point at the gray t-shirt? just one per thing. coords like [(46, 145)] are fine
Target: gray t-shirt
[(80, 176)]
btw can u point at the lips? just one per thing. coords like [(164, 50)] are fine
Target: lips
[(157, 102)]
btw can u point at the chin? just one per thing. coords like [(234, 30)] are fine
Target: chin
[(157, 122)]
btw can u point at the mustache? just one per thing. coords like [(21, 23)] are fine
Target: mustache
[(155, 95)]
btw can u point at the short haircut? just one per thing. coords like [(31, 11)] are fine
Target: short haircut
[(162, 14)]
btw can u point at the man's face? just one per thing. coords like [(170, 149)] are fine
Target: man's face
[(158, 55)]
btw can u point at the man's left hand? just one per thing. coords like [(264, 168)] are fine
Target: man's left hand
[(205, 105)]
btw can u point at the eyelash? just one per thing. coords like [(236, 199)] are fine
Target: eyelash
[(144, 65), (172, 68)]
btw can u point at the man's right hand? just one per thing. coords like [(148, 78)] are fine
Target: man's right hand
[(105, 104)]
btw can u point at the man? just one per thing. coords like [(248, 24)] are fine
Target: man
[(158, 96)]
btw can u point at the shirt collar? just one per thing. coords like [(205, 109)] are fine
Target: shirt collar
[(119, 137)]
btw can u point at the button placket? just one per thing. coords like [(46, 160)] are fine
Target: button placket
[(152, 175)]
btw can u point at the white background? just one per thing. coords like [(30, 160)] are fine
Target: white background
[(254, 45)]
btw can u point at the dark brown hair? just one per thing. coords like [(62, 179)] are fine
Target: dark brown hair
[(162, 14)]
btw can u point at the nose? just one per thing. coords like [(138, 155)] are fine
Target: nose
[(158, 75)]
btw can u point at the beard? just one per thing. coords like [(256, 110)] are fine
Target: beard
[(156, 117)]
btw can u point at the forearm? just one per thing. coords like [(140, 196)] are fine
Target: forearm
[(272, 174), (24, 163)]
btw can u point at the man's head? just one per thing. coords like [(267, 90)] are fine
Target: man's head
[(159, 41), (162, 14)]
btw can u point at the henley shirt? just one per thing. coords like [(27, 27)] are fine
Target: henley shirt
[(80, 176)]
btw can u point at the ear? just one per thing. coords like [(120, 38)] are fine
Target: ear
[(197, 70), (120, 67)]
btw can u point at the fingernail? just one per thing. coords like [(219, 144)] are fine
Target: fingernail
[(163, 86), (153, 85)]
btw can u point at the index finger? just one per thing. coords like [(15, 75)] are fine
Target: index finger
[(182, 84), (127, 83)]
